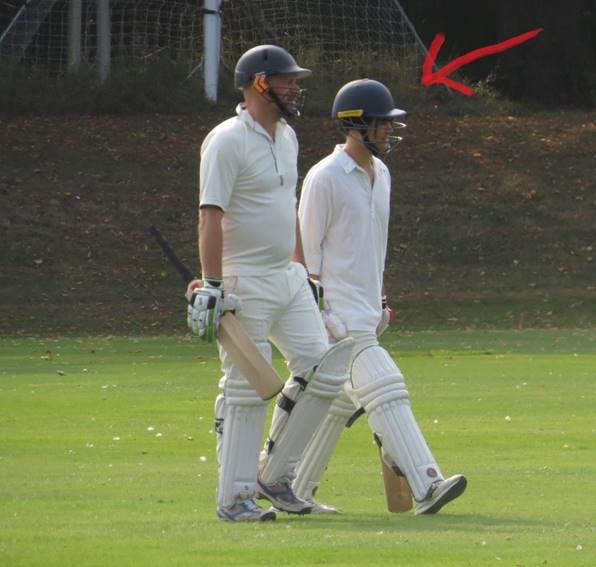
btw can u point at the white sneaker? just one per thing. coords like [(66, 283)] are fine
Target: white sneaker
[(281, 495), (320, 508), (245, 511), (440, 493)]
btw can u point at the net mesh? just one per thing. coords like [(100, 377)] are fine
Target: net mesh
[(339, 40)]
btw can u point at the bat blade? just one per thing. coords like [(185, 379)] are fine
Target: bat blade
[(248, 358), (397, 490)]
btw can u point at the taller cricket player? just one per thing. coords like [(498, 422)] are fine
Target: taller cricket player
[(344, 218), (251, 253)]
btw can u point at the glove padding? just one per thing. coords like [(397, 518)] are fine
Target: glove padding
[(334, 325), (206, 304), (318, 292), (387, 316)]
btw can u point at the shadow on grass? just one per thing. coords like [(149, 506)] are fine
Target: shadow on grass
[(411, 523)]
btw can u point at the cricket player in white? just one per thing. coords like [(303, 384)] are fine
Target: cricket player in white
[(251, 254), (344, 217)]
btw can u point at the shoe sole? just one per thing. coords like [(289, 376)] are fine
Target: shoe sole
[(268, 516), (301, 512), (451, 494), (320, 512), (324, 510)]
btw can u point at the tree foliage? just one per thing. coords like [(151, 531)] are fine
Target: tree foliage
[(559, 66)]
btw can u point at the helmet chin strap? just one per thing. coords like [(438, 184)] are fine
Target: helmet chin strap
[(391, 142), (370, 146), (285, 112)]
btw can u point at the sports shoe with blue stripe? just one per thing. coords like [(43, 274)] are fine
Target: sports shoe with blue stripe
[(281, 495), (245, 511)]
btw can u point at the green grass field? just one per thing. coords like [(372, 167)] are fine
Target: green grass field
[(107, 457)]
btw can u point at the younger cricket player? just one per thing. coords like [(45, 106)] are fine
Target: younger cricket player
[(344, 217)]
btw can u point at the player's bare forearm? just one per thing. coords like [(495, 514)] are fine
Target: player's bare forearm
[(210, 241)]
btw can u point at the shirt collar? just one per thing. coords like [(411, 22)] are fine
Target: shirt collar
[(345, 160), (248, 119)]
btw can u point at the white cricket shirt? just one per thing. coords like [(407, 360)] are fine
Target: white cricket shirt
[(252, 178), (344, 225)]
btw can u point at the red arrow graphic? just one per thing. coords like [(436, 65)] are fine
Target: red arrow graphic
[(441, 76)]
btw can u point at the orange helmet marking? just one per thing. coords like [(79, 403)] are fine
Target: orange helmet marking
[(260, 83)]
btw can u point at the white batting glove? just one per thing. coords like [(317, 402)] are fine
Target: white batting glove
[(204, 309), (207, 302), (387, 317), (231, 303), (334, 325)]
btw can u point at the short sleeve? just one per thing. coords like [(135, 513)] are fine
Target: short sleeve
[(221, 156)]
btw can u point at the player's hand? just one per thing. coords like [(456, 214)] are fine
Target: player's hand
[(206, 304), (387, 317), (318, 292), (334, 325)]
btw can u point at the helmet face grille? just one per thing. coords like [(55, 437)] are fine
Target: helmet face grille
[(347, 125)]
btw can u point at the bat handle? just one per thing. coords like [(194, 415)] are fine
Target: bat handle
[(184, 272)]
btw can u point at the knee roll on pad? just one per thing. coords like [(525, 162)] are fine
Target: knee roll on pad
[(236, 387), (372, 364), (239, 391), (342, 407)]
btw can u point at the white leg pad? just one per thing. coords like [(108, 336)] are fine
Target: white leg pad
[(318, 452), (300, 408), (380, 388), (241, 414)]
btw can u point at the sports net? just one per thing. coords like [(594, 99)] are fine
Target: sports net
[(340, 40), (141, 31)]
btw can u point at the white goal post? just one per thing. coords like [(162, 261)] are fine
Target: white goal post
[(211, 47)]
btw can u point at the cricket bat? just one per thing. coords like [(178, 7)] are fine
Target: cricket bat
[(247, 357), (233, 338), (397, 490)]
